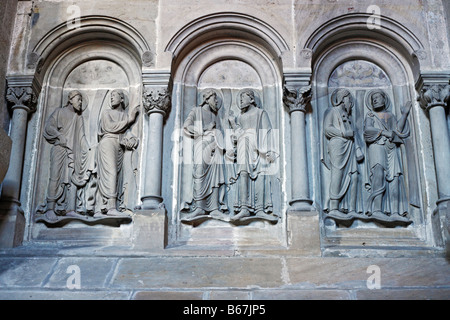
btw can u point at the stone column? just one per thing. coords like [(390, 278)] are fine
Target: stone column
[(434, 97), (296, 100), (157, 105), (302, 218), (22, 101), (150, 222)]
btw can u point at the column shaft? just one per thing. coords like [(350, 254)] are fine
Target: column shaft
[(153, 171)]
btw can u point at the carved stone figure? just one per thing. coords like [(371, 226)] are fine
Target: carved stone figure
[(113, 141), (203, 125), (254, 154), (384, 134), (71, 162), (342, 150)]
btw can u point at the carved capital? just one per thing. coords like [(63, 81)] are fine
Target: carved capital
[(296, 99), (156, 100), (21, 97), (433, 95)]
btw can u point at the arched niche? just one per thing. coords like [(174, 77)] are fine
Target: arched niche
[(95, 68), (227, 65), (361, 65)]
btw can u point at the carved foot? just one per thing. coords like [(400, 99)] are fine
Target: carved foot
[(244, 213), (115, 213), (197, 212), (50, 215), (266, 216)]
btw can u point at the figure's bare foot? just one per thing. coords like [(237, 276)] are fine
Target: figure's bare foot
[(197, 212), (244, 213), (51, 215), (115, 213), (98, 214)]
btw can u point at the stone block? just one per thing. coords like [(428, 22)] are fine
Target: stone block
[(24, 272), (301, 295), (93, 272), (354, 273), (168, 295), (404, 294), (62, 295), (229, 295), (150, 230), (197, 272), (303, 233)]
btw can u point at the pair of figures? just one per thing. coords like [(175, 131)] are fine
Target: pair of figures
[(249, 150), (383, 173), (92, 176)]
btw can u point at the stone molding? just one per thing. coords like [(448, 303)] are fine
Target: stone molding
[(22, 93), (434, 90)]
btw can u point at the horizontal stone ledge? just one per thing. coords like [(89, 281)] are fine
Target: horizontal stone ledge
[(63, 295)]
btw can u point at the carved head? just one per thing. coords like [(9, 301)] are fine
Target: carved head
[(76, 100), (343, 97), (378, 101), (210, 98), (117, 98), (246, 99)]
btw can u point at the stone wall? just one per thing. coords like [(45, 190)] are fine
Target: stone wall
[(203, 128)]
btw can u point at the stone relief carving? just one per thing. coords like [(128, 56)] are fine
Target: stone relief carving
[(253, 154), (71, 160), (361, 149), (342, 151), (203, 126), (22, 97), (114, 139), (93, 171), (383, 134), (233, 152), (381, 169)]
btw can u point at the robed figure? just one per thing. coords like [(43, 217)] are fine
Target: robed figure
[(254, 156), (71, 162), (384, 135), (202, 125), (113, 141), (342, 149)]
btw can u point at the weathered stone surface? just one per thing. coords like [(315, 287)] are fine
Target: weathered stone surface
[(63, 295), (404, 294), (93, 272), (24, 272), (197, 272), (168, 295), (352, 273), (229, 295), (301, 295)]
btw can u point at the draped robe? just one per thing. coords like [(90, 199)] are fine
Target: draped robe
[(208, 171), (70, 164), (386, 153), (340, 154), (110, 154)]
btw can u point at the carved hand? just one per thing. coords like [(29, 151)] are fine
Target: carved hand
[(359, 155), (271, 156), (349, 133), (62, 141), (135, 112), (210, 126)]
